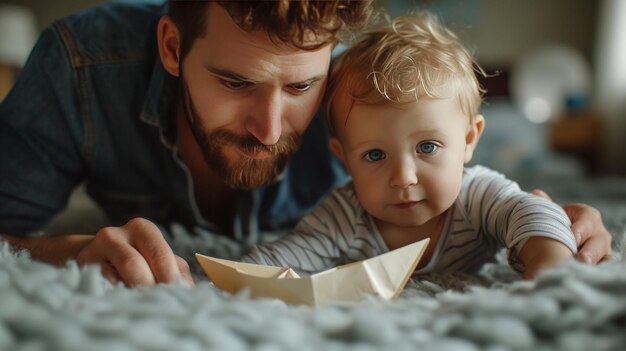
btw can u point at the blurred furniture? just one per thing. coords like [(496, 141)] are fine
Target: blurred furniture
[(579, 134)]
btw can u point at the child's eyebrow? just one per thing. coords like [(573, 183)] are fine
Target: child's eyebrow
[(430, 133)]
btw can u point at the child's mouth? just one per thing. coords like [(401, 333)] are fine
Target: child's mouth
[(406, 204)]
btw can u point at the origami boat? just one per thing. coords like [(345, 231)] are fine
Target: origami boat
[(384, 275)]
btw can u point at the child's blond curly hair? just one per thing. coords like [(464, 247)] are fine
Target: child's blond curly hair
[(412, 57)]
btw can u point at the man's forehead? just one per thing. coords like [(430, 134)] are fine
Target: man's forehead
[(254, 60), (254, 55)]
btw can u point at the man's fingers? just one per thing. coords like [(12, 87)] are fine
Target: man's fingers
[(606, 258), (594, 241), (135, 253), (582, 225), (118, 261), (128, 262), (595, 249), (152, 246), (592, 251), (109, 273), (586, 225), (185, 273)]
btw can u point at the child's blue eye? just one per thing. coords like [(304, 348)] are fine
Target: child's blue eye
[(374, 155), (426, 148)]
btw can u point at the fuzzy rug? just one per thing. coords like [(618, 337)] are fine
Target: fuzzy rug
[(576, 307)]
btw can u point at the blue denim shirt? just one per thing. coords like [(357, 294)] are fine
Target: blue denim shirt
[(93, 104)]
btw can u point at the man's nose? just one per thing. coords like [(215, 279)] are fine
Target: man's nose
[(265, 121), (404, 173)]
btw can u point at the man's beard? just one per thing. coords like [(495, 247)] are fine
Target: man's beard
[(244, 172)]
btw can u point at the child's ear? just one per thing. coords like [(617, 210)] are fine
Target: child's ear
[(169, 45), (474, 132), (335, 146)]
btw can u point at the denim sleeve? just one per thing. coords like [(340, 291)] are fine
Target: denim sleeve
[(41, 132)]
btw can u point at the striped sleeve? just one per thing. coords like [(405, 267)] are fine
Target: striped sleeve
[(498, 207), (318, 242)]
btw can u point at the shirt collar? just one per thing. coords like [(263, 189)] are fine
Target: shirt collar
[(159, 108)]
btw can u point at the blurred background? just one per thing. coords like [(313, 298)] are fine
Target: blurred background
[(555, 105)]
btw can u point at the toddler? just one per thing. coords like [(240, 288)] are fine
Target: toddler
[(403, 113)]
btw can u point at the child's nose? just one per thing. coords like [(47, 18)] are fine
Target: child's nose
[(404, 174)]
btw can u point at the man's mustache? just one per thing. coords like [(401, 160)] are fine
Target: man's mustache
[(287, 144)]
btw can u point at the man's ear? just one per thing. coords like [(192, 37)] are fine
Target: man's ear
[(169, 45), (474, 132), (335, 146)]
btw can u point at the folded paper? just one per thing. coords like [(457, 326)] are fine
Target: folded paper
[(384, 275)]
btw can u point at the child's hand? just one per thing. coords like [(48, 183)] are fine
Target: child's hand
[(541, 252)]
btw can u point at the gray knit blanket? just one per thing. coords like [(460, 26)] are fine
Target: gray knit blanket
[(575, 307)]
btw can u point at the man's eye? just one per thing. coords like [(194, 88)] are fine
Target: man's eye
[(427, 148), (302, 87), (234, 84), (374, 155)]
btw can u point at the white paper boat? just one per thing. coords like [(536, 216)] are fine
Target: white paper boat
[(384, 275)]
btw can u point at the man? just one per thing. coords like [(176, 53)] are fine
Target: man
[(199, 134)]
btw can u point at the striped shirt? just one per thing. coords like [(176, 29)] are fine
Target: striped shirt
[(490, 212)]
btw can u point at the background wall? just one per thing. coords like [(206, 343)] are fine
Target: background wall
[(501, 31)]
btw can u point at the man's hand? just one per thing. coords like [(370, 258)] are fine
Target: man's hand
[(592, 238), (136, 254)]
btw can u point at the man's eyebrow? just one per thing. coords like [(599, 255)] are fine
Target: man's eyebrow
[(234, 76), (227, 74), (311, 80)]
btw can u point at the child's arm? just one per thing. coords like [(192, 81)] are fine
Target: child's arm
[(308, 248), (540, 252), (332, 234), (517, 220)]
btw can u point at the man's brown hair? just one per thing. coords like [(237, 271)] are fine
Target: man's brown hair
[(290, 22)]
